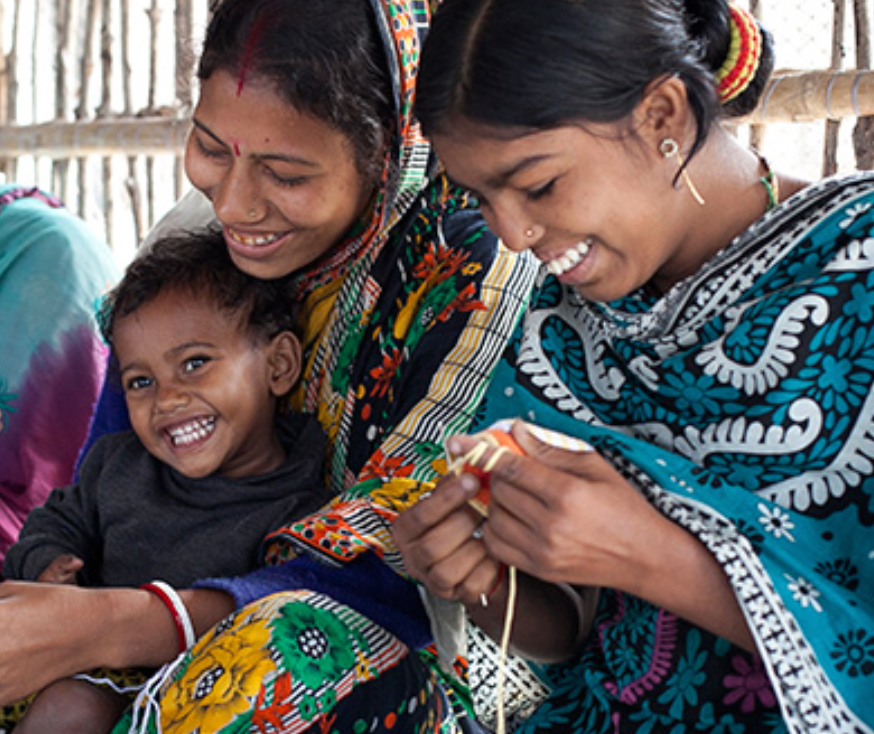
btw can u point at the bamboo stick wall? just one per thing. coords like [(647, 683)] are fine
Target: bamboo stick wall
[(95, 96), (94, 101)]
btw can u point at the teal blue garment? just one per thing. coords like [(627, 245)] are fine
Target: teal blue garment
[(53, 269), (741, 404)]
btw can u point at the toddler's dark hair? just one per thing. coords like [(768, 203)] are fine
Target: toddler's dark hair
[(197, 263)]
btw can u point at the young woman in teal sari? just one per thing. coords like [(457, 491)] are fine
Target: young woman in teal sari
[(706, 326)]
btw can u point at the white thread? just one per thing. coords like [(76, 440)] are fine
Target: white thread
[(147, 699), (108, 683), (472, 457), (505, 649)]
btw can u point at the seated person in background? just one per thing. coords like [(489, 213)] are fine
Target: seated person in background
[(205, 353), (52, 362)]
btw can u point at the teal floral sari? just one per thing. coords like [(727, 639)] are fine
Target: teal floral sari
[(741, 404)]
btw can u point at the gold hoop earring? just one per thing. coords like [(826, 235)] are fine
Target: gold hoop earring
[(670, 149)]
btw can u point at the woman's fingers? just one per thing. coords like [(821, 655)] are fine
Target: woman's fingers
[(438, 539), (556, 513), (437, 524), (557, 451), (435, 509), (563, 514)]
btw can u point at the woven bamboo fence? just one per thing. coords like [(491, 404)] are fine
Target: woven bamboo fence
[(95, 97)]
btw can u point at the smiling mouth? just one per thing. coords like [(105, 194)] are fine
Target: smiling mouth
[(186, 434), (571, 258), (254, 241)]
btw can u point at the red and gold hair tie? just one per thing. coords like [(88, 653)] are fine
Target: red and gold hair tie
[(742, 61)]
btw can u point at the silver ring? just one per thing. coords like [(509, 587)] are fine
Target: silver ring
[(477, 534)]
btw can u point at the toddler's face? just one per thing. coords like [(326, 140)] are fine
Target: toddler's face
[(199, 390)]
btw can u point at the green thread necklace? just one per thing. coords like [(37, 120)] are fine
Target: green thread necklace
[(771, 183)]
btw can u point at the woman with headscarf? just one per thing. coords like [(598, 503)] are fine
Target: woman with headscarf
[(303, 142)]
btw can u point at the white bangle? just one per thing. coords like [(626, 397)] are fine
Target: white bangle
[(177, 608)]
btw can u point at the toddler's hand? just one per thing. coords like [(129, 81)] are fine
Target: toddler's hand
[(62, 570)]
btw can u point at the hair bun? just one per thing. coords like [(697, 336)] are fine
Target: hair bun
[(747, 66), (744, 54)]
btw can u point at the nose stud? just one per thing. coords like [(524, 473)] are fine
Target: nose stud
[(529, 233), (252, 213)]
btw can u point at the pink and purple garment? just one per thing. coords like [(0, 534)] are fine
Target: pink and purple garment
[(52, 360)]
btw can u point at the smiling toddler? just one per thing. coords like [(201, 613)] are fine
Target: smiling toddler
[(205, 355)]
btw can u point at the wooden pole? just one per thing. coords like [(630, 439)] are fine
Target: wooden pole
[(4, 89), (154, 14), (833, 126), (34, 51), (806, 96), (107, 62), (790, 97), (757, 132), (63, 13), (863, 132), (184, 74), (131, 183), (10, 167), (184, 59), (86, 66), (12, 66), (63, 10), (145, 136), (126, 95)]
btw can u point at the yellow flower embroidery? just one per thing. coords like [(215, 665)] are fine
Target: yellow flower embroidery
[(400, 493), (220, 683)]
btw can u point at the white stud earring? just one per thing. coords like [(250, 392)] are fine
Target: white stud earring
[(669, 148)]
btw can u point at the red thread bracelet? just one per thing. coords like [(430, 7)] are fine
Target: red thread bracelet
[(484, 598), (502, 574), (167, 594)]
